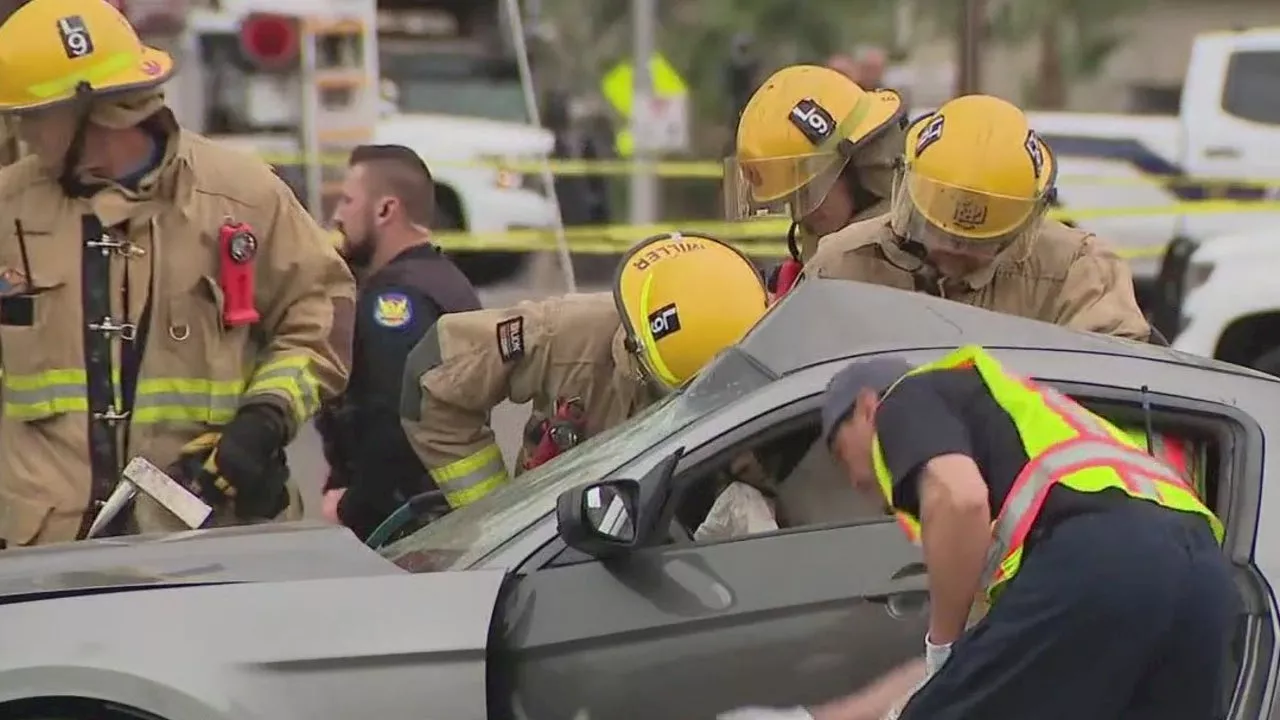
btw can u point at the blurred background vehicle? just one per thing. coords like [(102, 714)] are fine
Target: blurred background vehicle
[(302, 81), (1162, 112)]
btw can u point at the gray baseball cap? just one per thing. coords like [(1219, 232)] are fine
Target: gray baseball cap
[(842, 392)]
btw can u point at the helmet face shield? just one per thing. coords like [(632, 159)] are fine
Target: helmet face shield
[(780, 187), (975, 179), (790, 155), (955, 220)]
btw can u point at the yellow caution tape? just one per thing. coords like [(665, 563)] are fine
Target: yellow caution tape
[(712, 170), (767, 238)]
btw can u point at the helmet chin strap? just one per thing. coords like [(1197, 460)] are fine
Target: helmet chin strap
[(793, 245), (641, 375), (69, 177)]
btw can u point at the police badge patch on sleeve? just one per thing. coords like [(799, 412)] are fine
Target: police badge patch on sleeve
[(511, 339), (392, 310)]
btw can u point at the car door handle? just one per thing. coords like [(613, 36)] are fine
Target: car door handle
[(912, 595), (902, 605), (1222, 151), (911, 578)]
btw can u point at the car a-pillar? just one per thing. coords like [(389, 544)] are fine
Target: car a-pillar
[(1161, 297), (481, 268)]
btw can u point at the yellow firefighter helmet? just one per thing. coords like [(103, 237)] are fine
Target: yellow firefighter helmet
[(798, 133), (975, 178), (684, 298), (54, 50)]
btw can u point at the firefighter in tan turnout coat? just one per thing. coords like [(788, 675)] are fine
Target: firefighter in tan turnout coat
[(159, 295), (586, 362)]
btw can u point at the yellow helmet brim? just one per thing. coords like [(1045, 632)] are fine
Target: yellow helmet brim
[(119, 72), (884, 107)]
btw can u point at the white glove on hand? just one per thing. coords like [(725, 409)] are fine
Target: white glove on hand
[(766, 713), (935, 656)]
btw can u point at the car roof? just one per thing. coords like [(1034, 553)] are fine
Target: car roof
[(824, 320)]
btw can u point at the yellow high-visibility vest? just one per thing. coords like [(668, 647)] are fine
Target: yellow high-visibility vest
[(1066, 444)]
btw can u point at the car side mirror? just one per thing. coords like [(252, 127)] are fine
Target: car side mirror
[(600, 519), (610, 518)]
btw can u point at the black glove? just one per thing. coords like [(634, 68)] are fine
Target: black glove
[(251, 457), (363, 511), (334, 423)]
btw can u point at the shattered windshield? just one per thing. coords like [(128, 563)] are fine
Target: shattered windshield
[(465, 536)]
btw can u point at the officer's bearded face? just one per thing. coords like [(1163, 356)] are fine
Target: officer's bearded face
[(358, 243), (353, 217)]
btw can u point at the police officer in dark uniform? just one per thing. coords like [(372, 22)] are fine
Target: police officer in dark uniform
[(406, 284)]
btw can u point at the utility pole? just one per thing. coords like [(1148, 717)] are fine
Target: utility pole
[(644, 179), (972, 30)]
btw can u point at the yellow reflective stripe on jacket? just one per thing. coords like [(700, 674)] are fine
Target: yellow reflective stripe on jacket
[(471, 478), (213, 402), (157, 400), (1065, 443), (290, 376), (43, 394)]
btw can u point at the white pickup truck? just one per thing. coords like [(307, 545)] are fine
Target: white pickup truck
[(1122, 172)]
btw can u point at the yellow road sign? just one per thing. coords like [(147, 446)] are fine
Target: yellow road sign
[(617, 83)]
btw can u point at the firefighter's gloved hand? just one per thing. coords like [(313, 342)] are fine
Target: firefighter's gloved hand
[(766, 713), (935, 656), (250, 457), (196, 470), (546, 437)]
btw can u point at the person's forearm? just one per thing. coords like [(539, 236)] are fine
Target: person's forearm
[(955, 558), (956, 533), (874, 701)]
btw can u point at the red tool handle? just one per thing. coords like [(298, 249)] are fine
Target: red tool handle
[(568, 419), (545, 450), (787, 275), (237, 250)]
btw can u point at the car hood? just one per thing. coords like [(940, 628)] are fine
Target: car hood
[(257, 553), (448, 137), (1236, 247)]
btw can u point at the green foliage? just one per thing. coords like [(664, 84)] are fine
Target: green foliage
[(1087, 31), (696, 36)]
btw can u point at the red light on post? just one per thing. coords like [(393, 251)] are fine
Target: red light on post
[(269, 41)]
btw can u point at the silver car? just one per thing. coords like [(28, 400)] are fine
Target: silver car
[(527, 604)]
